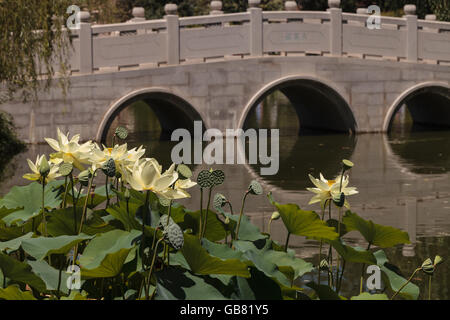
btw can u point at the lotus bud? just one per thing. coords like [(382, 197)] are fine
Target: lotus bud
[(44, 167), (347, 164), (127, 194), (428, 267), (227, 220), (255, 188), (219, 201), (324, 265), (184, 171), (275, 215), (84, 177), (109, 168), (438, 260)]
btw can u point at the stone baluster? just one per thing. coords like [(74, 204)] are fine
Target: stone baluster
[(335, 27), (216, 7), (290, 6), (431, 17), (412, 32), (85, 36), (138, 14), (173, 33), (256, 28)]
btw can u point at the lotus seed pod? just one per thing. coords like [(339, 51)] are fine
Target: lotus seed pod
[(175, 236), (44, 167), (347, 164), (204, 179), (184, 171), (340, 201), (121, 132), (438, 260), (84, 177), (219, 201), (218, 177), (255, 188), (109, 168), (164, 202), (66, 169), (324, 265), (163, 221), (118, 175), (428, 267), (275, 215)]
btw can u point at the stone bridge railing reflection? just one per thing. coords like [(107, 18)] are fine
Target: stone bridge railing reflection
[(174, 40)]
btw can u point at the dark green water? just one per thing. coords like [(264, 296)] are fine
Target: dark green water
[(403, 181)]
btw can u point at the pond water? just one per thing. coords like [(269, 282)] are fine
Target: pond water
[(403, 181)]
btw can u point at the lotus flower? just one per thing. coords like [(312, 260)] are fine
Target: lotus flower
[(35, 168)]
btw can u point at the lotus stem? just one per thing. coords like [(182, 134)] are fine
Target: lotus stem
[(144, 217), (74, 204), (43, 207), (206, 215), (241, 213), (107, 195), (65, 193), (404, 285), (340, 279), (429, 288), (362, 272), (151, 268), (320, 246), (200, 228), (287, 242)]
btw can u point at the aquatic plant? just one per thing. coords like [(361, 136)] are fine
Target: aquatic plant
[(63, 237)]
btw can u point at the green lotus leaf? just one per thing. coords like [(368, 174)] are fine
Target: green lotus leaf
[(20, 272), (368, 296), (303, 223), (201, 262), (257, 287), (394, 281), (106, 244), (215, 230), (41, 247), (13, 292), (50, 275), (126, 218), (110, 266), (14, 244), (177, 284), (375, 234), (351, 254), (247, 230), (324, 292), (121, 133), (29, 199)]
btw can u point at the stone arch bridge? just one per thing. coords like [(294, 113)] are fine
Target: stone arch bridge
[(339, 74)]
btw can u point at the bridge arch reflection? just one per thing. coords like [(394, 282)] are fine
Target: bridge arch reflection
[(170, 109), (320, 105)]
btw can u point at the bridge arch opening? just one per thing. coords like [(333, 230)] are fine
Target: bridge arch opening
[(151, 114), (312, 106), (423, 107)]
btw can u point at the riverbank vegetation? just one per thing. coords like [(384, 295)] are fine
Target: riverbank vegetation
[(105, 223)]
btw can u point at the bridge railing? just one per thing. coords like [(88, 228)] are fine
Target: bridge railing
[(174, 40)]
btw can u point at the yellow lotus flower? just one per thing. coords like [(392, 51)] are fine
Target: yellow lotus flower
[(147, 176), (123, 158), (69, 151), (36, 175), (179, 190), (330, 189)]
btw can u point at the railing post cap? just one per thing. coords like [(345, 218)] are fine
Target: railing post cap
[(361, 11), (254, 3), (84, 16), (290, 6), (410, 9), (171, 9), (431, 17), (334, 3), (216, 5), (138, 12)]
